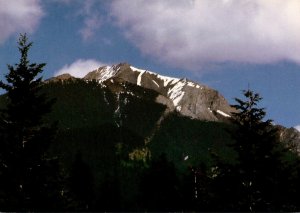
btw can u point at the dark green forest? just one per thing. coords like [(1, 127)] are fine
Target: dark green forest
[(76, 145)]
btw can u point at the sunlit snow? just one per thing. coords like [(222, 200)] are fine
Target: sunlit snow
[(155, 83), (175, 93), (106, 73), (223, 113), (191, 84), (175, 85), (139, 78), (178, 108)]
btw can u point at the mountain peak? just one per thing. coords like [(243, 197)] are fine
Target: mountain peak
[(187, 97)]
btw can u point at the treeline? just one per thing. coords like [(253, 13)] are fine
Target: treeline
[(100, 163)]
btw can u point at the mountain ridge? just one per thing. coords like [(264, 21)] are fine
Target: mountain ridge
[(189, 98), (180, 95)]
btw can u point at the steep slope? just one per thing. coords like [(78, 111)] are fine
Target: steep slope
[(180, 96), (89, 104), (187, 97), (290, 136), (113, 121)]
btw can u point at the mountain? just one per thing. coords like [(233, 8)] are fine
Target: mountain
[(63, 77), (120, 118), (184, 96), (142, 112), (290, 136)]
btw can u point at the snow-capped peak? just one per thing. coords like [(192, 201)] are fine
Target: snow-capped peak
[(105, 73), (187, 97), (175, 85), (165, 79)]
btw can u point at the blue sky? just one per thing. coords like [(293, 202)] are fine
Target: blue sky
[(225, 44)]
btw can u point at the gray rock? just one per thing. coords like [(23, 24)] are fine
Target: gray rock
[(188, 98)]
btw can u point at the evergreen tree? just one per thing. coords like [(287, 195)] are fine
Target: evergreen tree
[(81, 185), (160, 186), (29, 178), (256, 145), (257, 182)]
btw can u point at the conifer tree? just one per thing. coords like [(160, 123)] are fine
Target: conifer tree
[(29, 178), (255, 145), (159, 186), (257, 181), (81, 185)]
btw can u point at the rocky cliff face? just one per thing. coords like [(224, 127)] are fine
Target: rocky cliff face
[(289, 136), (187, 97)]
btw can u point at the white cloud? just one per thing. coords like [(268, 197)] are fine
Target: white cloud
[(80, 67), (297, 127), (91, 18), (91, 25), (193, 33), (19, 16)]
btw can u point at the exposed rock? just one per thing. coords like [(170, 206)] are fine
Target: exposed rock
[(62, 77), (184, 96), (290, 136), (188, 98)]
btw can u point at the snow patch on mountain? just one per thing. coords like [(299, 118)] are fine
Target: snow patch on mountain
[(176, 93), (185, 96), (106, 73), (136, 69), (165, 79), (155, 83), (178, 108), (168, 80), (223, 113), (139, 78), (175, 85), (192, 84)]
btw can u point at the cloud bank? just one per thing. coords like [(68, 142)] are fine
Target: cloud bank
[(80, 67), (192, 33), (19, 16)]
